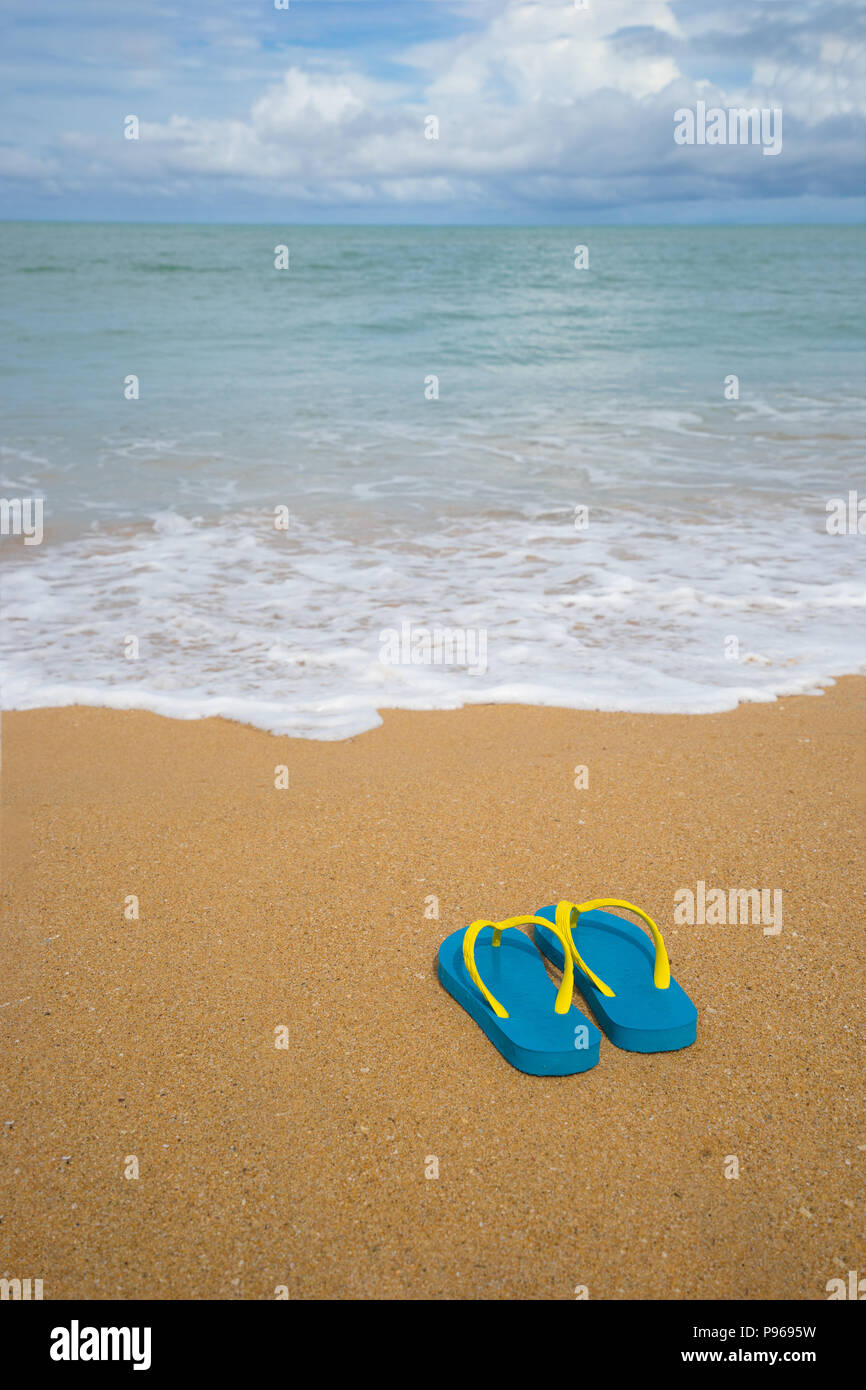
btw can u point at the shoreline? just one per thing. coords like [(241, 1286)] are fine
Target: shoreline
[(307, 908), (758, 696)]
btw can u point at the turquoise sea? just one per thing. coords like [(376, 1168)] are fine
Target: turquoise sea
[(468, 433)]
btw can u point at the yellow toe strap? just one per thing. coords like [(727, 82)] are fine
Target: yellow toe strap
[(566, 919), (566, 989)]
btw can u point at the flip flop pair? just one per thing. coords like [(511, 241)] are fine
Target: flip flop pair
[(535, 1026)]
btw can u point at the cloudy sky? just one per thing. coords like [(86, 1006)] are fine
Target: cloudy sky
[(548, 112)]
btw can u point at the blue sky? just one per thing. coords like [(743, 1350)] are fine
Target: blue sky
[(547, 112)]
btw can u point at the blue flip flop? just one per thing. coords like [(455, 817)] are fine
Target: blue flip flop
[(536, 1027), (635, 999)]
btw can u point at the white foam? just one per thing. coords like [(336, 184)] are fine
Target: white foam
[(283, 630)]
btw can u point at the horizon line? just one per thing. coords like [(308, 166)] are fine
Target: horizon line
[(426, 226)]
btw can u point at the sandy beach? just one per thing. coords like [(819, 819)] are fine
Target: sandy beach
[(310, 909)]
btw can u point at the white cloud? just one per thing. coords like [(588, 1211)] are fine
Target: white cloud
[(545, 100), (18, 164)]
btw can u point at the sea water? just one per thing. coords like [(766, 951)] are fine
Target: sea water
[(297, 496)]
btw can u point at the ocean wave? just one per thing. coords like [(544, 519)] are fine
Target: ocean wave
[(290, 631)]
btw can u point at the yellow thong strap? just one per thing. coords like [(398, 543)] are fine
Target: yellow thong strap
[(566, 989), (566, 919)]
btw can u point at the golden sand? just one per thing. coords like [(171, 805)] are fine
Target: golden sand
[(308, 909)]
